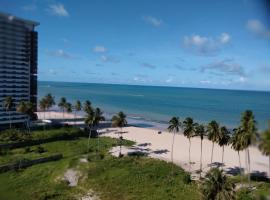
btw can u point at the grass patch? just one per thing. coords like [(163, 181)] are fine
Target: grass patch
[(111, 178)]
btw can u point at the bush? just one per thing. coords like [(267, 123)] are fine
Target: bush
[(40, 149), (4, 151), (27, 150), (13, 135), (101, 156), (186, 178), (244, 194)]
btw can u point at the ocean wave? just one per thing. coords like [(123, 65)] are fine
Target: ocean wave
[(136, 95)]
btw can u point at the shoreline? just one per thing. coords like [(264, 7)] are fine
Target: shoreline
[(159, 146)]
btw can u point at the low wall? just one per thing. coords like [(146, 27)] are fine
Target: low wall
[(27, 163)]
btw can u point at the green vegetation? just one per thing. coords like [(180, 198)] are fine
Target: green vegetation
[(111, 178)]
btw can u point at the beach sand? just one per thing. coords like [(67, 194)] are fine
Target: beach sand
[(159, 146)]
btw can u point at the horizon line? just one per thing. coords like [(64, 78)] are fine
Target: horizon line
[(169, 86)]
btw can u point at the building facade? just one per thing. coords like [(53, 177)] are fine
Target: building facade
[(18, 65)]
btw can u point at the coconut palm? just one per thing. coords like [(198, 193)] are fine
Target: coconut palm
[(89, 121), (174, 125), (43, 107), (49, 100), (248, 129), (217, 186), (200, 132), (62, 105), (213, 135), (236, 142), (223, 139), (87, 105), (189, 132), (26, 108), (264, 144), (98, 118), (8, 105), (120, 121), (78, 107), (68, 107)]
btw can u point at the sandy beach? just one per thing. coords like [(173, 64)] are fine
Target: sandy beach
[(158, 146)]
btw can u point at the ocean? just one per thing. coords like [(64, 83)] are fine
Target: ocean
[(155, 105)]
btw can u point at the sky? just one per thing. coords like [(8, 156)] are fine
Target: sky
[(184, 43)]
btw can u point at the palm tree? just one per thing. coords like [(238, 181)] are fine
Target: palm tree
[(120, 121), (68, 107), (264, 144), (78, 107), (200, 132), (89, 121), (189, 132), (50, 101), (98, 118), (26, 108), (62, 104), (43, 107), (236, 142), (174, 125), (217, 186), (8, 105), (248, 129), (223, 139), (213, 135), (87, 105)]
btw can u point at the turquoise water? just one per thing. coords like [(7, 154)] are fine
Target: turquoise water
[(159, 104)]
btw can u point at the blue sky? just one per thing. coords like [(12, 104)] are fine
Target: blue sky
[(188, 43)]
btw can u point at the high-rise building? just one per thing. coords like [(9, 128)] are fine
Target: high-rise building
[(18, 65)]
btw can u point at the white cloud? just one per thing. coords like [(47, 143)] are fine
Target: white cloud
[(226, 66), (148, 65), (206, 45), (153, 21), (58, 9), (30, 7), (205, 82), (136, 78), (257, 27), (60, 53), (225, 38), (169, 80), (109, 59), (241, 79), (99, 49)]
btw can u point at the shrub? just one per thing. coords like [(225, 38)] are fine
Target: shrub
[(244, 194), (27, 150), (40, 149), (186, 178)]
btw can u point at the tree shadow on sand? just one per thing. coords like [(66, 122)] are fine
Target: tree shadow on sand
[(161, 151)]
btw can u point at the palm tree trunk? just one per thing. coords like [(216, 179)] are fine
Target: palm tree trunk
[(222, 154), (201, 161), (28, 125), (98, 139), (212, 153), (120, 152), (75, 117), (189, 154), (269, 167), (248, 167), (9, 120), (89, 136), (240, 168), (172, 146)]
